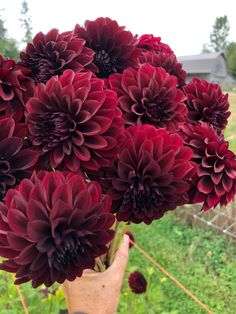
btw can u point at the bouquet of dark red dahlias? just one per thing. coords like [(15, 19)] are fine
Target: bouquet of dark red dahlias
[(100, 126)]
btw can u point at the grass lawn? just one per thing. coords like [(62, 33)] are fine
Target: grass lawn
[(201, 260), (230, 132)]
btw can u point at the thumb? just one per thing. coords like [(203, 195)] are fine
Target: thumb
[(122, 254)]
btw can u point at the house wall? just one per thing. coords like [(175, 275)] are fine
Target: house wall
[(204, 76)]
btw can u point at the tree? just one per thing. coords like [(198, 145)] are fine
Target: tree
[(219, 34), (231, 58), (26, 22), (8, 46)]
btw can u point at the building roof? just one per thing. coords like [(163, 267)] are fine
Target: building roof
[(200, 63)]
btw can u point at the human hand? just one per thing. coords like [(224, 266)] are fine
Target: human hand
[(98, 293)]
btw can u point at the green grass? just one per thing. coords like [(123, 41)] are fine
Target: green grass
[(230, 132), (201, 260)]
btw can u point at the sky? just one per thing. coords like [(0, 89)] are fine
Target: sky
[(185, 25)]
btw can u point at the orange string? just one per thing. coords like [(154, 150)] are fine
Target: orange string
[(172, 278), (21, 296)]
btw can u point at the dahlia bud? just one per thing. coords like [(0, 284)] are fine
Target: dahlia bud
[(137, 282)]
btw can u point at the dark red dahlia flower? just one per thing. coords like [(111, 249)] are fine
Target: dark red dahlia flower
[(149, 95), (15, 160), (50, 54), (137, 282), (151, 43), (15, 88), (215, 180), (113, 45), (52, 227), (207, 103), (168, 62), (149, 176), (75, 122)]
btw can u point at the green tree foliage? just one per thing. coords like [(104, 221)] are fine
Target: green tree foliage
[(8, 46), (219, 34), (26, 22), (231, 58)]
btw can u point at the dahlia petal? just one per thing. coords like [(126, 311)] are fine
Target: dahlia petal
[(38, 229), (21, 280), (205, 185), (57, 156), (216, 177), (167, 160), (25, 188), (7, 253), (231, 173), (38, 263), (212, 200), (27, 255), (7, 128), (60, 209), (72, 163), (218, 166), (78, 140), (63, 193), (16, 241), (17, 221), (42, 278), (180, 171), (219, 189), (84, 200), (14, 200), (91, 128), (82, 153), (227, 183), (25, 159), (96, 142), (50, 184), (10, 146), (45, 245)]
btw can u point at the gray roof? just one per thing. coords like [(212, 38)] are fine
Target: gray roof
[(200, 63)]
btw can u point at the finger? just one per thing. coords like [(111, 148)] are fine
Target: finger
[(122, 255)]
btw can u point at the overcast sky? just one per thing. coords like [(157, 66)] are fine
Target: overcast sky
[(184, 24)]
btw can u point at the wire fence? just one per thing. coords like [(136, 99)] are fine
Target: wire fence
[(222, 220)]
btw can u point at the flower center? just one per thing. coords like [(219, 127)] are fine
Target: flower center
[(54, 128), (141, 196), (105, 63), (156, 110), (214, 117), (67, 253), (41, 69)]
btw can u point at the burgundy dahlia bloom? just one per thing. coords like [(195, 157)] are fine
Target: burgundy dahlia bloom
[(206, 103), (152, 43), (149, 176), (52, 227), (137, 282), (15, 160), (15, 88), (52, 53), (168, 62), (75, 122), (215, 180), (113, 45), (148, 95)]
